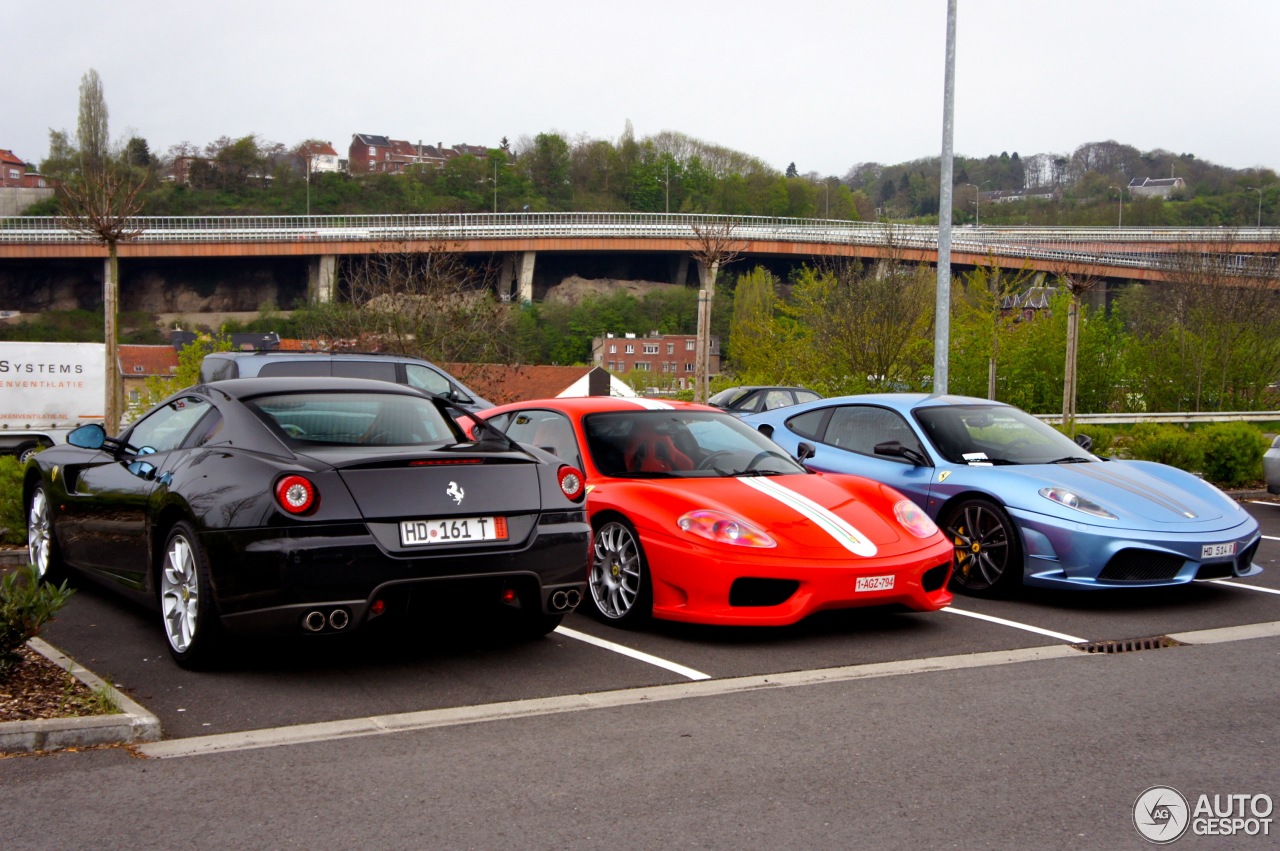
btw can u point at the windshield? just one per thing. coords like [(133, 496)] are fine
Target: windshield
[(374, 419), (996, 434), (685, 444), (725, 398)]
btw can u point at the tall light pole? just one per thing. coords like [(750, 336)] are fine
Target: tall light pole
[(495, 185), (309, 156), (1120, 212), (1259, 191), (977, 196)]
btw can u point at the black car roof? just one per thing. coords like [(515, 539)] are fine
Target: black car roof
[(244, 388)]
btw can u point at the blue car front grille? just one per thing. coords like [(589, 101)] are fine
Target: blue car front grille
[(1134, 565)]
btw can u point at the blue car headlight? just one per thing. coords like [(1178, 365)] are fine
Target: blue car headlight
[(1062, 496)]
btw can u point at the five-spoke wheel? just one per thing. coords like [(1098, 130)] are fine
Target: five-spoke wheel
[(988, 558), (186, 601), (42, 549)]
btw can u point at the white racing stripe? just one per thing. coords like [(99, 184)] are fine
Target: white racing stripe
[(1061, 636), (658, 661), (835, 526)]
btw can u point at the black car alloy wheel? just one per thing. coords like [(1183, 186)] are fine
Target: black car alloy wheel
[(988, 558)]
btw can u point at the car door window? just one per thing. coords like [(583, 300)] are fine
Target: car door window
[(777, 399), (426, 378), (301, 367), (858, 428), (167, 427), (548, 430), (810, 423), (377, 370)]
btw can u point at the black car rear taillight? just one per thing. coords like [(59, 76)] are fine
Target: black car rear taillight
[(572, 483), (297, 495)]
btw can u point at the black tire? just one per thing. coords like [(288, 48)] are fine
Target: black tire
[(988, 552), (26, 450), (42, 545), (188, 613), (619, 589)]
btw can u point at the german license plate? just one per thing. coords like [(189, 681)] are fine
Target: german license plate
[(1216, 550), (452, 530), (874, 583)]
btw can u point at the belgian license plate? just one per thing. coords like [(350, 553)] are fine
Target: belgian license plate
[(874, 583), (1215, 550), (452, 530)]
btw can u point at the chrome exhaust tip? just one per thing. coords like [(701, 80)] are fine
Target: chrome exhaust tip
[(338, 619), (559, 601), (314, 621), (574, 596)]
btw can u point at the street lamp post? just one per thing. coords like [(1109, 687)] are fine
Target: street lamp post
[(1259, 191), (309, 156), (977, 196), (1120, 211), (495, 185)]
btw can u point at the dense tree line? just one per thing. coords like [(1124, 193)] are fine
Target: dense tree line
[(673, 172)]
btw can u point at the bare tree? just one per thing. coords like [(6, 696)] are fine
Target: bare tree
[(713, 246), (1077, 284), (100, 199), (424, 301)]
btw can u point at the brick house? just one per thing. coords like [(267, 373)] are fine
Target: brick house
[(12, 169), (138, 363), (670, 358)]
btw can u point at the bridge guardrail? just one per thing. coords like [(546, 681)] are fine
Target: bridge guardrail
[(1109, 246)]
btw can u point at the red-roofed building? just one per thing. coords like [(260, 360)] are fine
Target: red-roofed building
[(320, 157), (138, 363), (501, 384)]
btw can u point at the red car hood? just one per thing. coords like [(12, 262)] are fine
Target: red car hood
[(829, 516)]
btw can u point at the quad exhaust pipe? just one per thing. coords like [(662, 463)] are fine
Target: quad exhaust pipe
[(315, 620)]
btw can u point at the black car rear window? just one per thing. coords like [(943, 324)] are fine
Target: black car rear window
[(373, 419)]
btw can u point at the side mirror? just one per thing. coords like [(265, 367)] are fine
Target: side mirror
[(805, 451), (895, 449), (91, 436)]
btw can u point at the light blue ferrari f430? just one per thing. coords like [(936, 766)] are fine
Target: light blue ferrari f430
[(1021, 502)]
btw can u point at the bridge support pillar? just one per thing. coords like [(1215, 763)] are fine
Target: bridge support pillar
[(322, 278), (524, 274), (507, 277), (680, 269), (1098, 296)]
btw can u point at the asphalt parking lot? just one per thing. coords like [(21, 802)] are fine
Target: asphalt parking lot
[(270, 685)]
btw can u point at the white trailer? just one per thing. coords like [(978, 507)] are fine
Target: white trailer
[(47, 389)]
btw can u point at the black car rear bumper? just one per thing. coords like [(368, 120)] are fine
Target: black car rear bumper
[(273, 580)]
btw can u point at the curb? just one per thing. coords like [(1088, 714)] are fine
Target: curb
[(132, 724)]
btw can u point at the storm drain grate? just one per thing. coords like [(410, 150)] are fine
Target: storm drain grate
[(1128, 645)]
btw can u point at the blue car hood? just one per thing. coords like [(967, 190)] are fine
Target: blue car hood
[(1139, 493)]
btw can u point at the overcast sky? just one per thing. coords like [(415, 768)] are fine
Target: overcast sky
[(825, 84)]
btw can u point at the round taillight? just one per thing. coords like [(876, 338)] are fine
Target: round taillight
[(571, 482), (296, 495)]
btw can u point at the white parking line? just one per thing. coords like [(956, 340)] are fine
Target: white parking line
[(1242, 585), (377, 725), (1061, 636), (634, 654)]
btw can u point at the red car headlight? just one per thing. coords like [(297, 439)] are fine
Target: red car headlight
[(913, 519), (725, 529)]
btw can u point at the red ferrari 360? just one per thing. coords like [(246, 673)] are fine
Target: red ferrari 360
[(699, 518)]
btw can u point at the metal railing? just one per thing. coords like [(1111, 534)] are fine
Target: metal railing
[(1121, 247), (1183, 417)]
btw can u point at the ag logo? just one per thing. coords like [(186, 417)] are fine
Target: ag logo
[(456, 492), (1160, 814)]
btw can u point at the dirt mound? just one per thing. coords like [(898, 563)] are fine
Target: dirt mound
[(574, 289)]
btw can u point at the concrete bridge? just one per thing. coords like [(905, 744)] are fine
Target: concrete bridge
[(1131, 253)]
